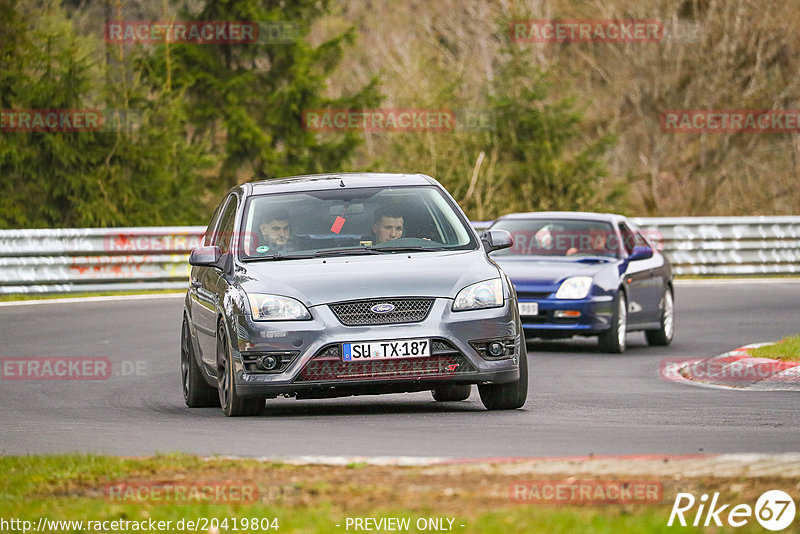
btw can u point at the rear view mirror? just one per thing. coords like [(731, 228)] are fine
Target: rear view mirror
[(347, 209)]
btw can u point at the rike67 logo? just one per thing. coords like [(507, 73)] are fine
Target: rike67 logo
[(774, 510)]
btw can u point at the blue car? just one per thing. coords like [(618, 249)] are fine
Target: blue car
[(587, 274)]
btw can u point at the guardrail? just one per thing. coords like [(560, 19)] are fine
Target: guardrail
[(96, 259), (110, 259), (728, 245)]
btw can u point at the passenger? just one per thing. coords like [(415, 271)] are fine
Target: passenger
[(276, 231), (388, 225)]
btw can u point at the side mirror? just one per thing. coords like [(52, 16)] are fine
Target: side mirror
[(205, 257), (496, 239), (640, 253)]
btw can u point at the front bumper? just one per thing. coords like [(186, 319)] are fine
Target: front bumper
[(316, 368), (596, 312)]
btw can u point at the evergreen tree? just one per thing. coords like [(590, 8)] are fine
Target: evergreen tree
[(249, 99), (548, 160), (133, 173)]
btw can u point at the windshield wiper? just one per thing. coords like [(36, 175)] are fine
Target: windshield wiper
[(409, 249), (276, 257), (345, 251)]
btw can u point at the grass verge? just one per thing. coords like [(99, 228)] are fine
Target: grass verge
[(787, 350), (321, 498)]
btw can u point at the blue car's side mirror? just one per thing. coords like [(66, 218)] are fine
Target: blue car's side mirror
[(640, 253)]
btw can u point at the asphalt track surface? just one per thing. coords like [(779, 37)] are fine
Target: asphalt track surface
[(580, 401)]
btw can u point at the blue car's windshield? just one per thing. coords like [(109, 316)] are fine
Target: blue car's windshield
[(373, 220), (559, 238)]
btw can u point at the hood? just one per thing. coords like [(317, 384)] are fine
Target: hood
[(323, 280), (535, 275)]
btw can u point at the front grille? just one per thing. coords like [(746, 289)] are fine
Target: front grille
[(444, 361), (535, 319), (358, 312), (546, 316), (533, 295)]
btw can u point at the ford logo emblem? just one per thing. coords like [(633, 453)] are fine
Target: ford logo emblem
[(384, 307)]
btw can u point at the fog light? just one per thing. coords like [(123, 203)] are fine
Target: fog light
[(496, 349), (567, 314), (268, 363)]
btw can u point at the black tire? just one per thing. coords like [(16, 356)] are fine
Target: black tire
[(613, 340), (663, 336), (452, 393), (231, 403), (196, 391), (508, 396)]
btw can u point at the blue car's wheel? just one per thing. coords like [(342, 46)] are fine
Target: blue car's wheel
[(613, 339), (663, 335)]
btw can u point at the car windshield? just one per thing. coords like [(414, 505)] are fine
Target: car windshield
[(559, 238), (375, 220)]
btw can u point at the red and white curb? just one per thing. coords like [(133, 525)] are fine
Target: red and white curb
[(737, 370), (745, 465)]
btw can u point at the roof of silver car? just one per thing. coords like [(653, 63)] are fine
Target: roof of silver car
[(580, 215), (318, 182)]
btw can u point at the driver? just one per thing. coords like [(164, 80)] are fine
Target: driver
[(597, 244), (388, 225)]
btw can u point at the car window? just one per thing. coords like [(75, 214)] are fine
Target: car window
[(224, 233), (558, 237), (381, 218), (640, 237), (208, 236), (640, 240), (628, 238)]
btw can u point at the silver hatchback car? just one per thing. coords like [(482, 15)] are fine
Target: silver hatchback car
[(348, 284)]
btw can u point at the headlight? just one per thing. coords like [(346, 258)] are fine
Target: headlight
[(276, 308), (575, 287), (486, 294)]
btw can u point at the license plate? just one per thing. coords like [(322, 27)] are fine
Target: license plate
[(529, 308), (383, 350)]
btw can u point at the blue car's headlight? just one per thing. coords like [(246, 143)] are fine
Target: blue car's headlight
[(486, 294), (574, 287), (276, 308)]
